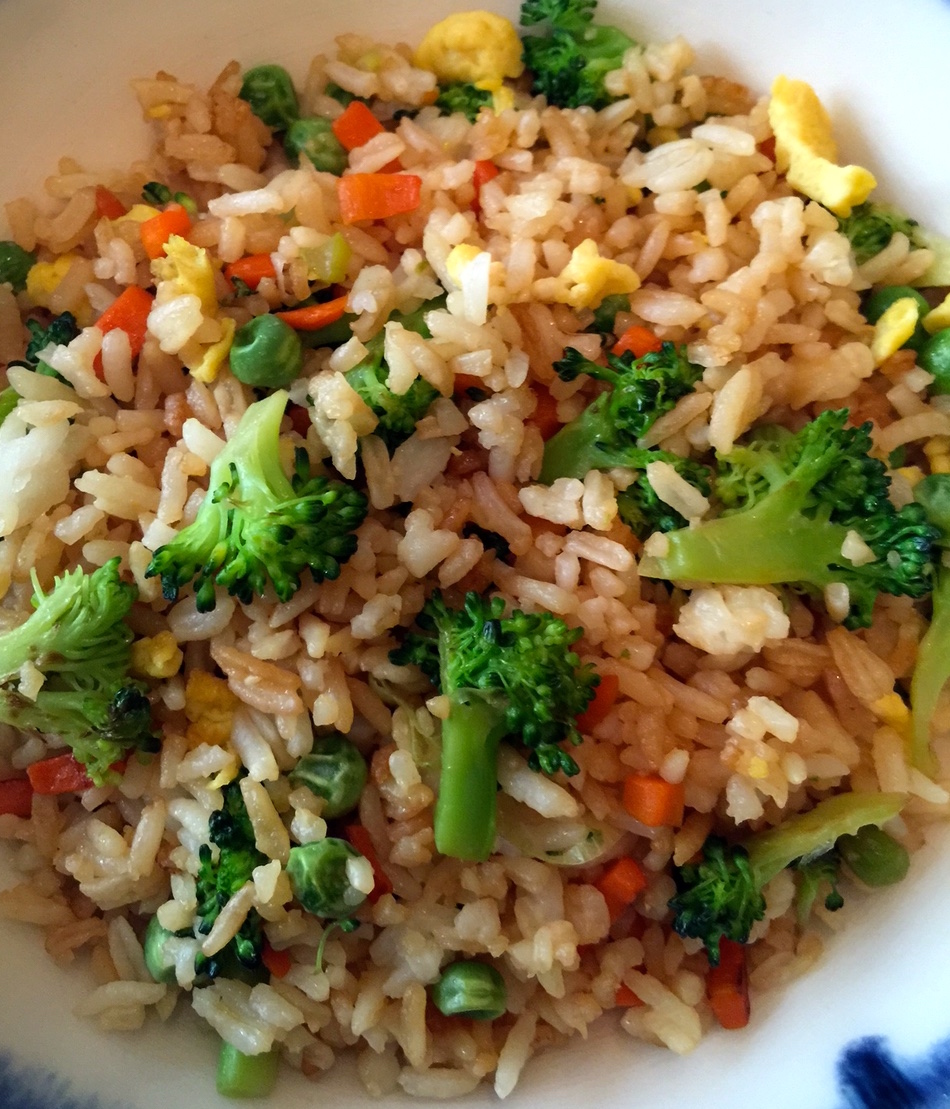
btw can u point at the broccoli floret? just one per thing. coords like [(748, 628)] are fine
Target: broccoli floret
[(813, 874), (642, 510), (788, 503), (570, 58), (256, 525), (398, 413), (507, 677), (61, 329), (605, 314), (78, 639), (870, 227), (222, 872), (606, 433), (933, 655), (721, 895), (464, 98)]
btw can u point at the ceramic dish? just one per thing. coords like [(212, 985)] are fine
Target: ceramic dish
[(862, 1030)]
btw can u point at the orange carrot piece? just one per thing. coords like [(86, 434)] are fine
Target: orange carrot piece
[(638, 341), (58, 774), (129, 313), (626, 997), (277, 962), (313, 317), (484, 172), (156, 232), (356, 126), (620, 883), (727, 986), (108, 204), (464, 382), (369, 196), (653, 800), (544, 416), (360, 838), (605, 696), (251, 269), (16, 797)]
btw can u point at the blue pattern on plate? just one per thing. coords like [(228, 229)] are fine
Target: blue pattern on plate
[(26, 1087), (870, 1077)]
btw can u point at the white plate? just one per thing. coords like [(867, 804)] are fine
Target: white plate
[(880, 67)]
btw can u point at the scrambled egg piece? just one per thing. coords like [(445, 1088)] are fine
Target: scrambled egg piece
[(209, 706), (588, 278), (458, 258), (938, 318), (894, 327), (937, 451), (138, 213), (474, 48), (44, 278), (157, 656), (890, 709), (805, 149)]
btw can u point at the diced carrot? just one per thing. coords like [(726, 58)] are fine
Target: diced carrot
[(620, 883), (360, 838), (299, 419), (653, 800), (605, 696), (312, 317), (58, 774), (464, 382), (484, 172), (625, 996), (156, 232), (108, 204), (356, 126), (251, 269), (638, 341), (727, 986), (129, 313), (368, 196), (16, 797), (277, 962), (544, 416)]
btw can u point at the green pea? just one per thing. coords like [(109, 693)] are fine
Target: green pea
[(334, 770), (469, 988), (154, 945), (270, 92), (318, 877), (881, 299), (934, 357), (15, 264), (266, 352), (873, 856), (241, 1075), (313, 138)]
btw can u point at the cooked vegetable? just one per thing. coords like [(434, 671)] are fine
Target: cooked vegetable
[(226, 864), (321, 877), (620, 883), (372, 196), (727, 986), (465, 98), (251, 269), (870, 227), (129, 313), (270, 92), (874, 856), (721, 896), (356, 126), (313, 138), (932, 668), (156, 232), (507, 677), (61, 329), (154, 947), (61, 774), (470, 989), (934, 357), (571, 56), (266, 352), (789, 502), (881, 299), (9, 399), (606, 433), (314, 317), (334, 770), (653, 800), (639, 506), (15, 264), (257, 526), (78, 639), (241, 1075)]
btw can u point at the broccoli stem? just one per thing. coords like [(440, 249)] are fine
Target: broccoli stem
[(241, 1075), (930, 675), (465, 810), (576, 448), (815, 832), (766, 545)]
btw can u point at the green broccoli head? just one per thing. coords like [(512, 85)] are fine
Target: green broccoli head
[(258, 526), (464, 98), (606, 434), (787, 505), (572, 55), (226, 864), (78, 639), (870, 227), (642, 510)]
